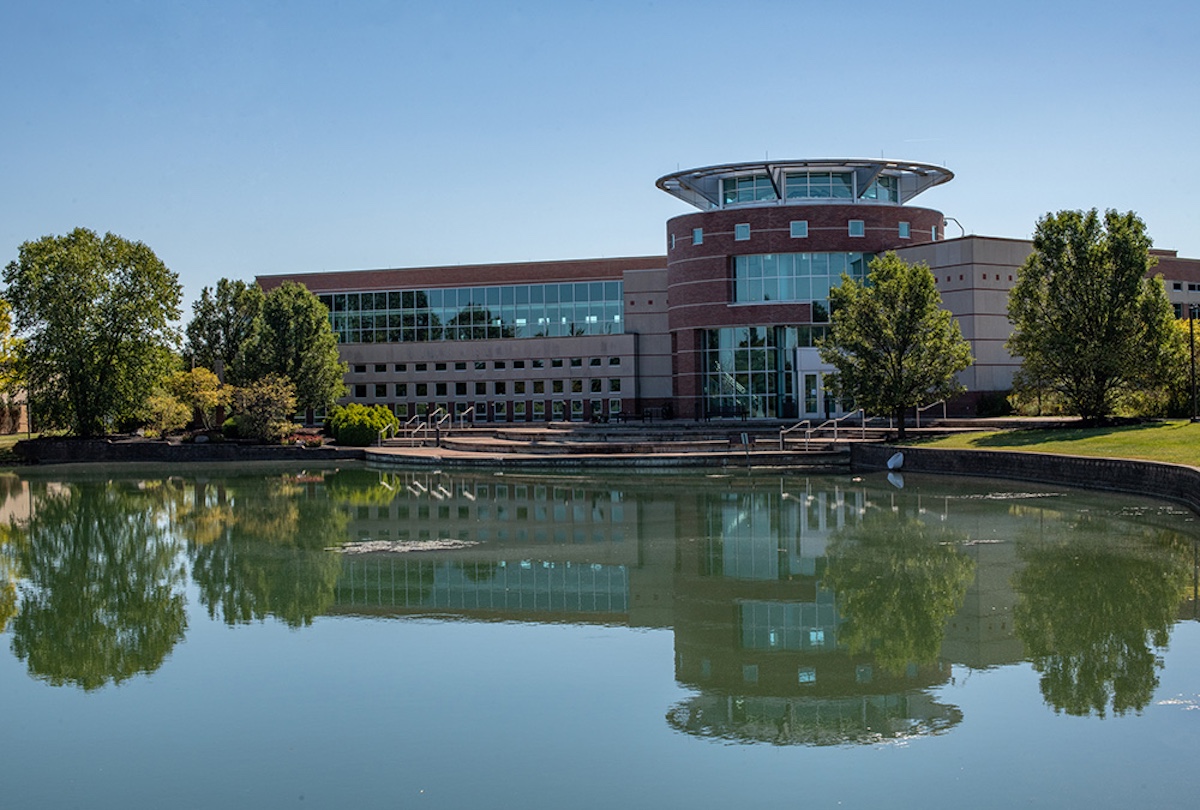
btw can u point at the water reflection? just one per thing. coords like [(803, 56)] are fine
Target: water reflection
[(804, 610)]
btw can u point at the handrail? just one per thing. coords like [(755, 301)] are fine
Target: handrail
[(462, 417), (941, 402), (835, 422), (784, 431), (446, 417)]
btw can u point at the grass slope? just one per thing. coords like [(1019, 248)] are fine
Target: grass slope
[(1176, 442)]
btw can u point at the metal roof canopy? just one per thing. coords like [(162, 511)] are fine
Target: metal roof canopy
[(702, 187)]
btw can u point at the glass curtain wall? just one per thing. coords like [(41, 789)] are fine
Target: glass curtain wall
[(749, 370), (563, 309)]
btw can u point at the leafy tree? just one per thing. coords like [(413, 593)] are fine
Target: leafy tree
[(200, 390), (265, 408), (12, 386), (1087, 322), (296, 341), (95, 314), (892, 343), (224, 325), (166, 414)]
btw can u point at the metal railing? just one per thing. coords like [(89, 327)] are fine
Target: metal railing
[(941, 402), (462, 417), (835, 424), (807, 423)]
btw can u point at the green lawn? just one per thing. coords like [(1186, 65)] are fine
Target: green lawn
[(1176, 441)]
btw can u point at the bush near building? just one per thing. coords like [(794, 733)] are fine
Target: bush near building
[(358, 425)]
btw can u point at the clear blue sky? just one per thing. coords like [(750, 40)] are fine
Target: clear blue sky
[(239, 138)]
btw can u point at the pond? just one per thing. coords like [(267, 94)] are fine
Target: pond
[(354, 638)]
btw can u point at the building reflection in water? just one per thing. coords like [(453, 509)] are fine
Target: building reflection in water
[(822, 610)]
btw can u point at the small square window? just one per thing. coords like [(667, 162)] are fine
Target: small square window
[(360, 392), (480, 365), (576, 362), (401, 389), (1178, 285), (539, 386), (800, 229), (614, 361), (402, 367), (360, 369), (499, 364), (422, 389), (806, 675), (741, 231), (857, 227), (381, 368), (480, 389), (519, 387), (381, 390), (461, 366), (697, 236), (556, 386), (439, 366), (518, 364), (421, 366), (538, 363), (905, 230), (440, 389), (556, 362), (576, 386), (460, 389), (595, 361), (614, 384), (501, 388)]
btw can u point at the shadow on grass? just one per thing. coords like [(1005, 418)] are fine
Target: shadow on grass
[(1035, 436)]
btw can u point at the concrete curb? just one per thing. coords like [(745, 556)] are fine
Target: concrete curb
[(1174, 482)]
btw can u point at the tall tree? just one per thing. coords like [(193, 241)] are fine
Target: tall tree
[(95, 314), (892, 343), (296, 341), (1089, 324), (224, 324)]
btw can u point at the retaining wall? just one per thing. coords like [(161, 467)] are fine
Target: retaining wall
[(64, 451), (1174, 482)]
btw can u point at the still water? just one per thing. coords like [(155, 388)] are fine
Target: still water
[(350, 638)]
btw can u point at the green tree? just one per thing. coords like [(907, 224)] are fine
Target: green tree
[(1088, 323), (224, 324), (265, 408), (200, 390), (892, 344), (296, 341), (95, 314)]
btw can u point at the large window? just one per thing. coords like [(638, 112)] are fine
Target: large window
[(747, 189), (797, 277), (819, 185), (748, 369), (478, 313)]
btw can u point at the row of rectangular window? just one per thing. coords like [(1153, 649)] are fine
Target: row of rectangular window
[(799, 230), (481, 365), (521, 411), (499, 388)]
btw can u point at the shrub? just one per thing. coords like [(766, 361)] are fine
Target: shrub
[(265, 408), (357, 425), (166, 414), (230, 428)]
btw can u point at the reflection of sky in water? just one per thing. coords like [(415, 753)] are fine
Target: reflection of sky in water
[(641, 623)]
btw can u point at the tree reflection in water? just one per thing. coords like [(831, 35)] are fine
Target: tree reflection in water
[(101, 595), (897, 582), (1091, 604), (260, 548)]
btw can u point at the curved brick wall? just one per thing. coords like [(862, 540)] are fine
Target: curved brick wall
[(699, 283)]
